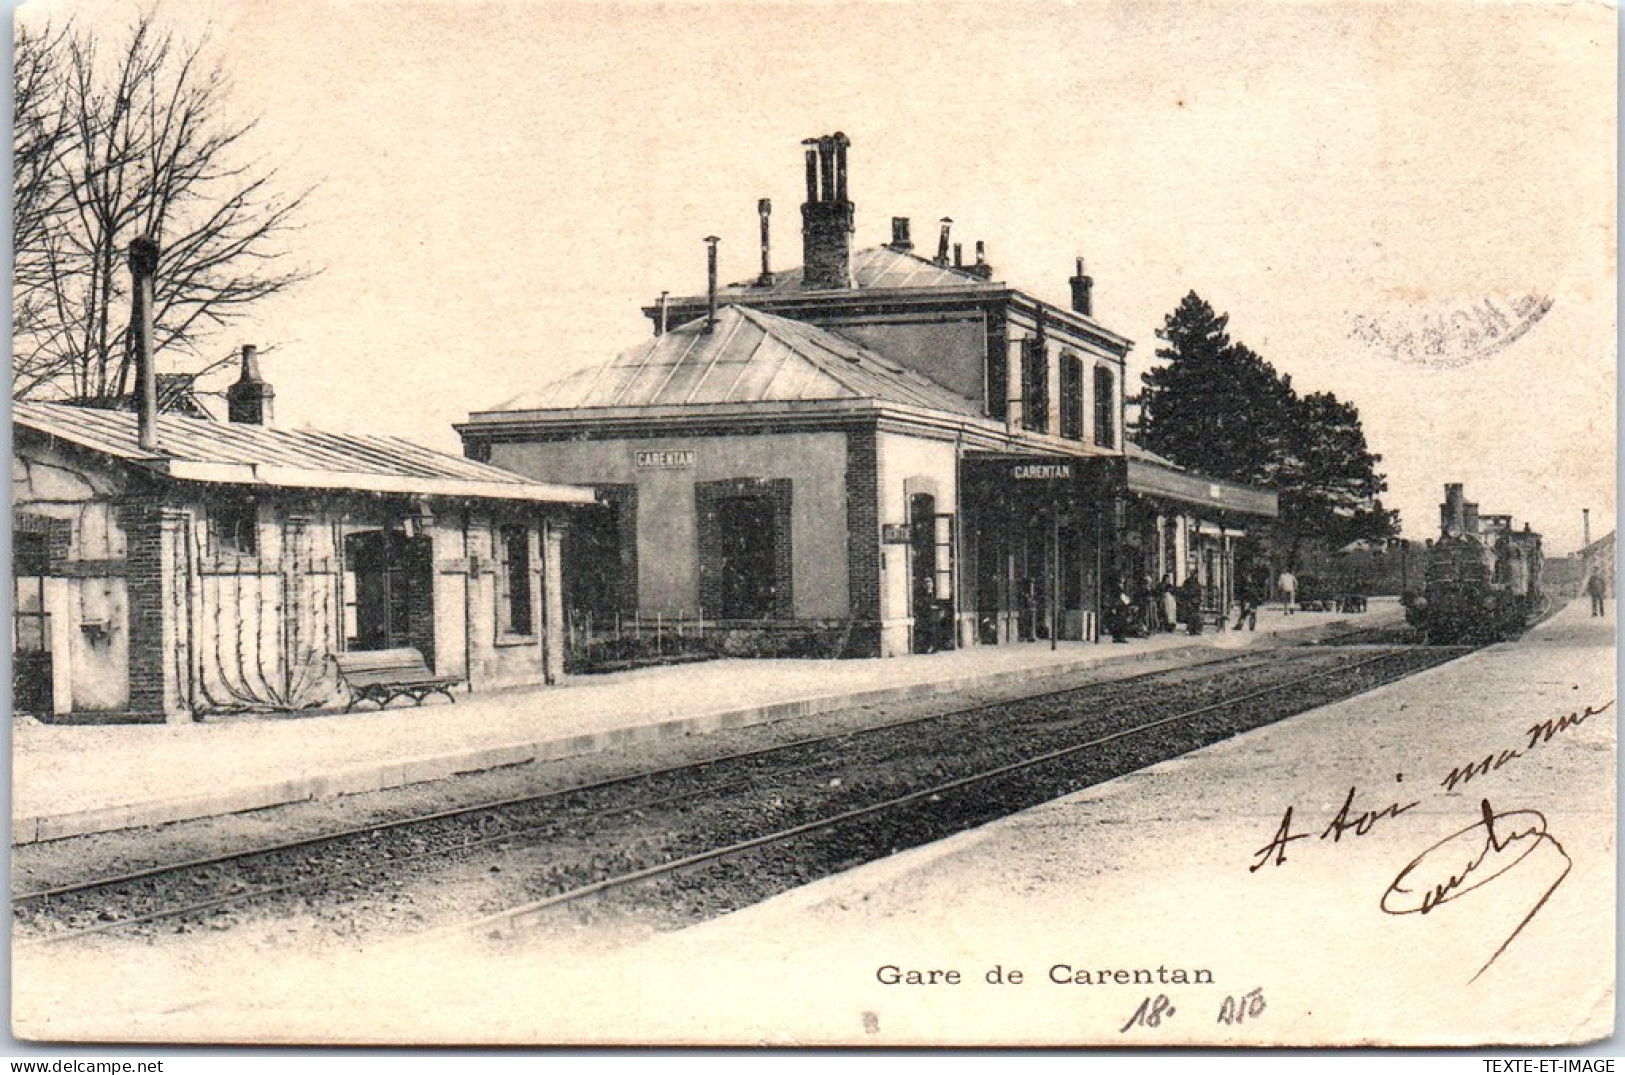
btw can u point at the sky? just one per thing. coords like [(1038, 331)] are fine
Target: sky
[(1410, 205)]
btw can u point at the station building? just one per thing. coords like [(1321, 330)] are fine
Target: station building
[(219, 567), (900, 452)]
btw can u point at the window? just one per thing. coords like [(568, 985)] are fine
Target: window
[(1105, 408), (745, 526), (513, 608), (1072, 397), (744, 544), (1034, 386), (234, 526), (998, 378)]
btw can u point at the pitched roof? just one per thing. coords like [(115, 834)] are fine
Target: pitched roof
[(875, 267), (227, 452), (749, 357)]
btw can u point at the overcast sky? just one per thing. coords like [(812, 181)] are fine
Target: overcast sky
[(502, 185)]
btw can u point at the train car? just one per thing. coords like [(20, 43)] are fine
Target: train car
[(1483, 577)]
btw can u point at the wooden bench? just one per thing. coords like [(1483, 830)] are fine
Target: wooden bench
[(384, 675)]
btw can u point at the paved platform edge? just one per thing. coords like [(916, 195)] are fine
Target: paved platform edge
[(383, 776)]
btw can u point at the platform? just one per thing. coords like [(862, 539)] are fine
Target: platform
[(70, 780), (1147, 873)]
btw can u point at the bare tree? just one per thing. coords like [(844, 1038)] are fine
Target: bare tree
[(40, 135), (137, 143)]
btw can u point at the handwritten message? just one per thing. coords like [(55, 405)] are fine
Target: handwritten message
[(1494, 845)]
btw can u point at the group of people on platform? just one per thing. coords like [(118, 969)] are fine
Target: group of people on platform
[(1156, 608)]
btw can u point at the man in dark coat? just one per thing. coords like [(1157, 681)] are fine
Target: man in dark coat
[(1598, 589), (1190, 604)]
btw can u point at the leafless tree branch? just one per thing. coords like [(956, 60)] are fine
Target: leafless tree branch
[(112, 145)]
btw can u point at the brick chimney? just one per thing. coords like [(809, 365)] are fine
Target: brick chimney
[(1083, 292), (249, 400), (143, 271), (942, 242), (827, 217), (981, 269), (900, 241)]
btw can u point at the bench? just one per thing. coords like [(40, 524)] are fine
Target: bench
[(384, 675)]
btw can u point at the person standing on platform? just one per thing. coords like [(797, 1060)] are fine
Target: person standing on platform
[(1190, 604), (1119, 614), (1598, 589), (1170, 603), (1248, 597), (1287, 584), (1149, 606)]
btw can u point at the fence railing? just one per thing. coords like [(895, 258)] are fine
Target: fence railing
[(596, 641)]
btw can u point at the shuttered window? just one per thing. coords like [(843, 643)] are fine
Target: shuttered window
[(1072, 397)]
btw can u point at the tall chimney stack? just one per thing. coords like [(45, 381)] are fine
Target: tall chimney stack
[(764, 209), (959, 255), (665, 308), (942, 242), (827, 215), (1585, 515), (249, 401), (711, 242), (900, 241), (143, 271), (1083, 292)]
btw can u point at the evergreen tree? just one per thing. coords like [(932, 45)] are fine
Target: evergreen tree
[(1215, 406), (1328, 482), (1218, 408)]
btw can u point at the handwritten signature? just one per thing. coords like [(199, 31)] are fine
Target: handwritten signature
[(1470, 859)]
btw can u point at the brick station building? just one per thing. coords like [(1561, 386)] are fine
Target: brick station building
[(896, 453)]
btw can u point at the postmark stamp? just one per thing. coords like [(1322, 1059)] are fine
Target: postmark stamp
[(1451, 336)]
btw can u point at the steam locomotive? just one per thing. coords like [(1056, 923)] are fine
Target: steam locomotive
[(1482, 580)]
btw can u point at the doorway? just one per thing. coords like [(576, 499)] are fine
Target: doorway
[(388, 592)]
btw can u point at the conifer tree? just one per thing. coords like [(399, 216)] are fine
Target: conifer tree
[(1218, 408)]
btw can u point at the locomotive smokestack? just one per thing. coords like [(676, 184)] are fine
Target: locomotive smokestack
[(1453, 512)]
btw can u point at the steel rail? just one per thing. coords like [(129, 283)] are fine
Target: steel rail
[(457, 812), (245, 895), (512, 916)]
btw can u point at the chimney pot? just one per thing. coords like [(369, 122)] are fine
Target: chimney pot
[(764, 209), (942, 241), (959, 255), (900, 241), (711, 242), (1083, 292), (249, 401)]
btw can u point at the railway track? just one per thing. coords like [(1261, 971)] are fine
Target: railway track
[(696, 838)]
